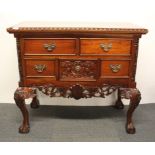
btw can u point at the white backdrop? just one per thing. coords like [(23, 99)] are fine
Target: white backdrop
[(140, 12)]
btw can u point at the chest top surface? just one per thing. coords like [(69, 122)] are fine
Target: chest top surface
[(110, 27)]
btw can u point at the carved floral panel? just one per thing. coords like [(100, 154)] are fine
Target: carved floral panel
[(78, 70)]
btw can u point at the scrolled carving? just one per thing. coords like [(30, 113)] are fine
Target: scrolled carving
[(51, 90), (78, 91)]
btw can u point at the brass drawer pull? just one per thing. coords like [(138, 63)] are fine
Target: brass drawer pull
[(49, 47), (106, 47), (39, 68), (115, 68)]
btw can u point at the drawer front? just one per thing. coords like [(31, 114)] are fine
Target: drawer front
[(78, 70), (105, 46), (49, 46), (115, 69), (40, 68)]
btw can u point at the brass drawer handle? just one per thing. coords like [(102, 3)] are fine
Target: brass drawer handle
[(49, 47), (39, 68), (115, 68), (106, 47)]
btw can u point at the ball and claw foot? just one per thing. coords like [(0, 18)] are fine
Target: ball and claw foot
[(134, 96), (130, 129), (24, 129)]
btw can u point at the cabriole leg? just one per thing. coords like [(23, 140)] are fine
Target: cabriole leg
[(20, 95), (135, 97)]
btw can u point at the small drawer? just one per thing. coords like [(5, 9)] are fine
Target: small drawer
[(115, 69), (98, 46), (78, 70), (40, 68), (50, 46)]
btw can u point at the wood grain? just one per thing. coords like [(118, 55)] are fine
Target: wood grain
[(49, 70), (36, 46), (92, 46)]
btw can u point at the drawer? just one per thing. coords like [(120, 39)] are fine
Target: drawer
[(40, 68), (105, 46), (115, 69), (79, 70), (50, 46)]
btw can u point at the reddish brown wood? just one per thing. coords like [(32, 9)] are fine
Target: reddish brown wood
[(78, 91), (78, 70), (35, 102), (117, 28), (108, 69), (119, 104), (48, 68), (62, 46), (20, 95), (76, 62), (135, 96), (93, 46)]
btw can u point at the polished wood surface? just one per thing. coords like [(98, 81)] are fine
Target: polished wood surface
[(115, 69), (94, 46), (84, 27), (38, 46), (77, 61), (47, 68)]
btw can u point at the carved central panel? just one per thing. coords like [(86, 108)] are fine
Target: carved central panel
[(78, 70)]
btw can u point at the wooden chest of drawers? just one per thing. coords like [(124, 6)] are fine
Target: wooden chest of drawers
[(78, 62)]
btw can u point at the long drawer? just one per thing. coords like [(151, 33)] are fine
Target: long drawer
[(50, 46), (105, 46)]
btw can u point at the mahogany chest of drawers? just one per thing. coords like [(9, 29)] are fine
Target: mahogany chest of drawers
[(77, 61)]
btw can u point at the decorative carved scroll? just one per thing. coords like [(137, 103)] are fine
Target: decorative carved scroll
[(78, 91)]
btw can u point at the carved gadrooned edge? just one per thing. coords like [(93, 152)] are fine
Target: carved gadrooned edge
[(77, 29), (78, 91)]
